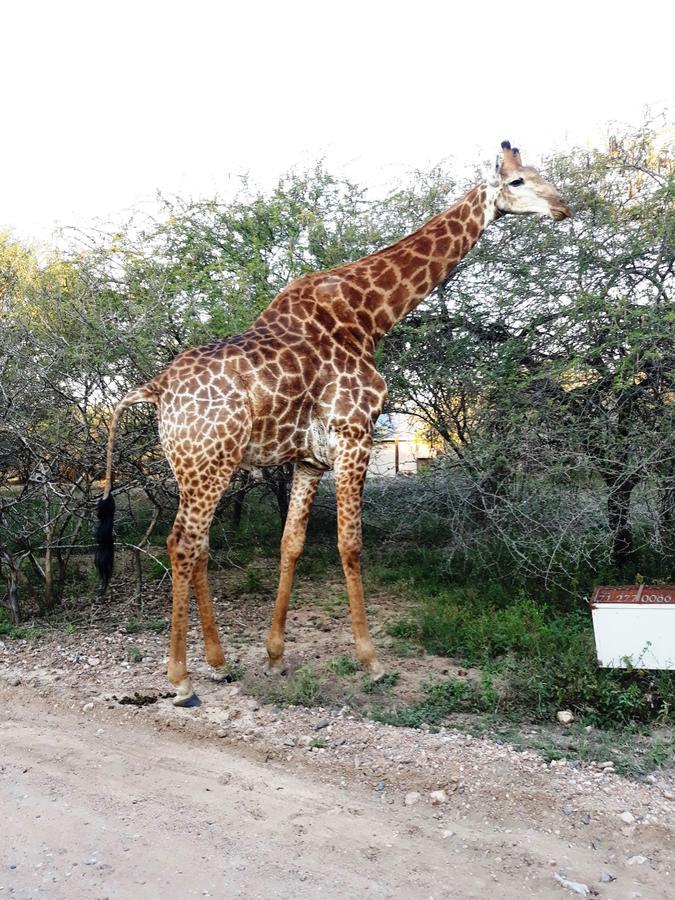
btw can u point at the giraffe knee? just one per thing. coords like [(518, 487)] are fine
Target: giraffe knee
[(184, 548), (350, 550), (292, 547)]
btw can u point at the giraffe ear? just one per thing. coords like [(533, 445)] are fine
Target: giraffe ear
[(493, 173)]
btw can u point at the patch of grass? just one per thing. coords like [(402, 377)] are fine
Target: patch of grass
[(18, 632), (235, 673), (343, 665), (403, 648), (157, 567), (440, 699), (133, 625), (389, 680), (134, 654), (252, 583), (634, 752), (316, 560), (318, 743), (536, 656), (303, 688)]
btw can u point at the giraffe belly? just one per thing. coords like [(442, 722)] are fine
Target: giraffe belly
[(322, 444), (315, 444)]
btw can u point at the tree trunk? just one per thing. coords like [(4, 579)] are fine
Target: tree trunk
[(279, 480), (11, 599), (47, 566), (238, 500), (618, 516)]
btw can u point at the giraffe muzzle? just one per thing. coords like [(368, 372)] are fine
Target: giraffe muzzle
[(561, 212)]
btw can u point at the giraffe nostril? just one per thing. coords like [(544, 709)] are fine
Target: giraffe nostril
[(562, 212)]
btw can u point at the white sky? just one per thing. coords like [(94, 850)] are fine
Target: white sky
[(104, 103)]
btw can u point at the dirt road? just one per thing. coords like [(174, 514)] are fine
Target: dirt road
[(110, 802), (242, 798)]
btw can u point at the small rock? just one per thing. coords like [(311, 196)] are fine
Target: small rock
[(93, 660), (669, 795), (585, 818), (606, 877), (221, 733), (438, 797), (636, 860), (15, 682), (565, 716), (87, 707), (568, 809), (324, 723), (412, 798), (379, 786), (575, 886), (627, 817), (289, 741)]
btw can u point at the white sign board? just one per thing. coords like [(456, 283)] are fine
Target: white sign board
[(634, 627)]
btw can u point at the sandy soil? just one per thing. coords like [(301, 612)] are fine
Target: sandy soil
[(237, 799)]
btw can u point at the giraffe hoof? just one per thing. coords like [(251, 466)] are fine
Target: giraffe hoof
[(185, 696), (187, 702), (220, 674), (273, 669), (377, 672)]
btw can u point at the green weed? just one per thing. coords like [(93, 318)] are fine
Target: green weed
[(133, 625), (343, 665), (18, 632), (536, 656), (388, 681), (134, 654), (303, 688)]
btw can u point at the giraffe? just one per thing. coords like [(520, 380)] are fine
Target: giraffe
[(300, 385)]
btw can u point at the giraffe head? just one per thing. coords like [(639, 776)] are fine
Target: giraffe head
[(521, 189)]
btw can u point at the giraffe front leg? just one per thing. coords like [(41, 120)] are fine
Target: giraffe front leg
[(305, 484), (350, 468), (187, 545)]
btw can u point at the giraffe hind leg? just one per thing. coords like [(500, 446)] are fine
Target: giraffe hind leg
[(188, 551)]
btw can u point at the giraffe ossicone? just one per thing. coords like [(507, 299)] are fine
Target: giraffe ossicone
[(300, 385)]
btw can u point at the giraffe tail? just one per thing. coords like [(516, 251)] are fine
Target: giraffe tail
[(105, 542)]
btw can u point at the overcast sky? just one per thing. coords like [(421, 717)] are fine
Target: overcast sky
[(104, 103)]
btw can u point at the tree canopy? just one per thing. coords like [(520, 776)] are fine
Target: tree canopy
[(543, 369)]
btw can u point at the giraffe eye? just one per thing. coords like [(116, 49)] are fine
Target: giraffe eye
[(516, 182)]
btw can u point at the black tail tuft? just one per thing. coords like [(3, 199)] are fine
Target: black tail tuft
[(105, 550)]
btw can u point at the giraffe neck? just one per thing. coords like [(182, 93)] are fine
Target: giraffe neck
[(402, 275)]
